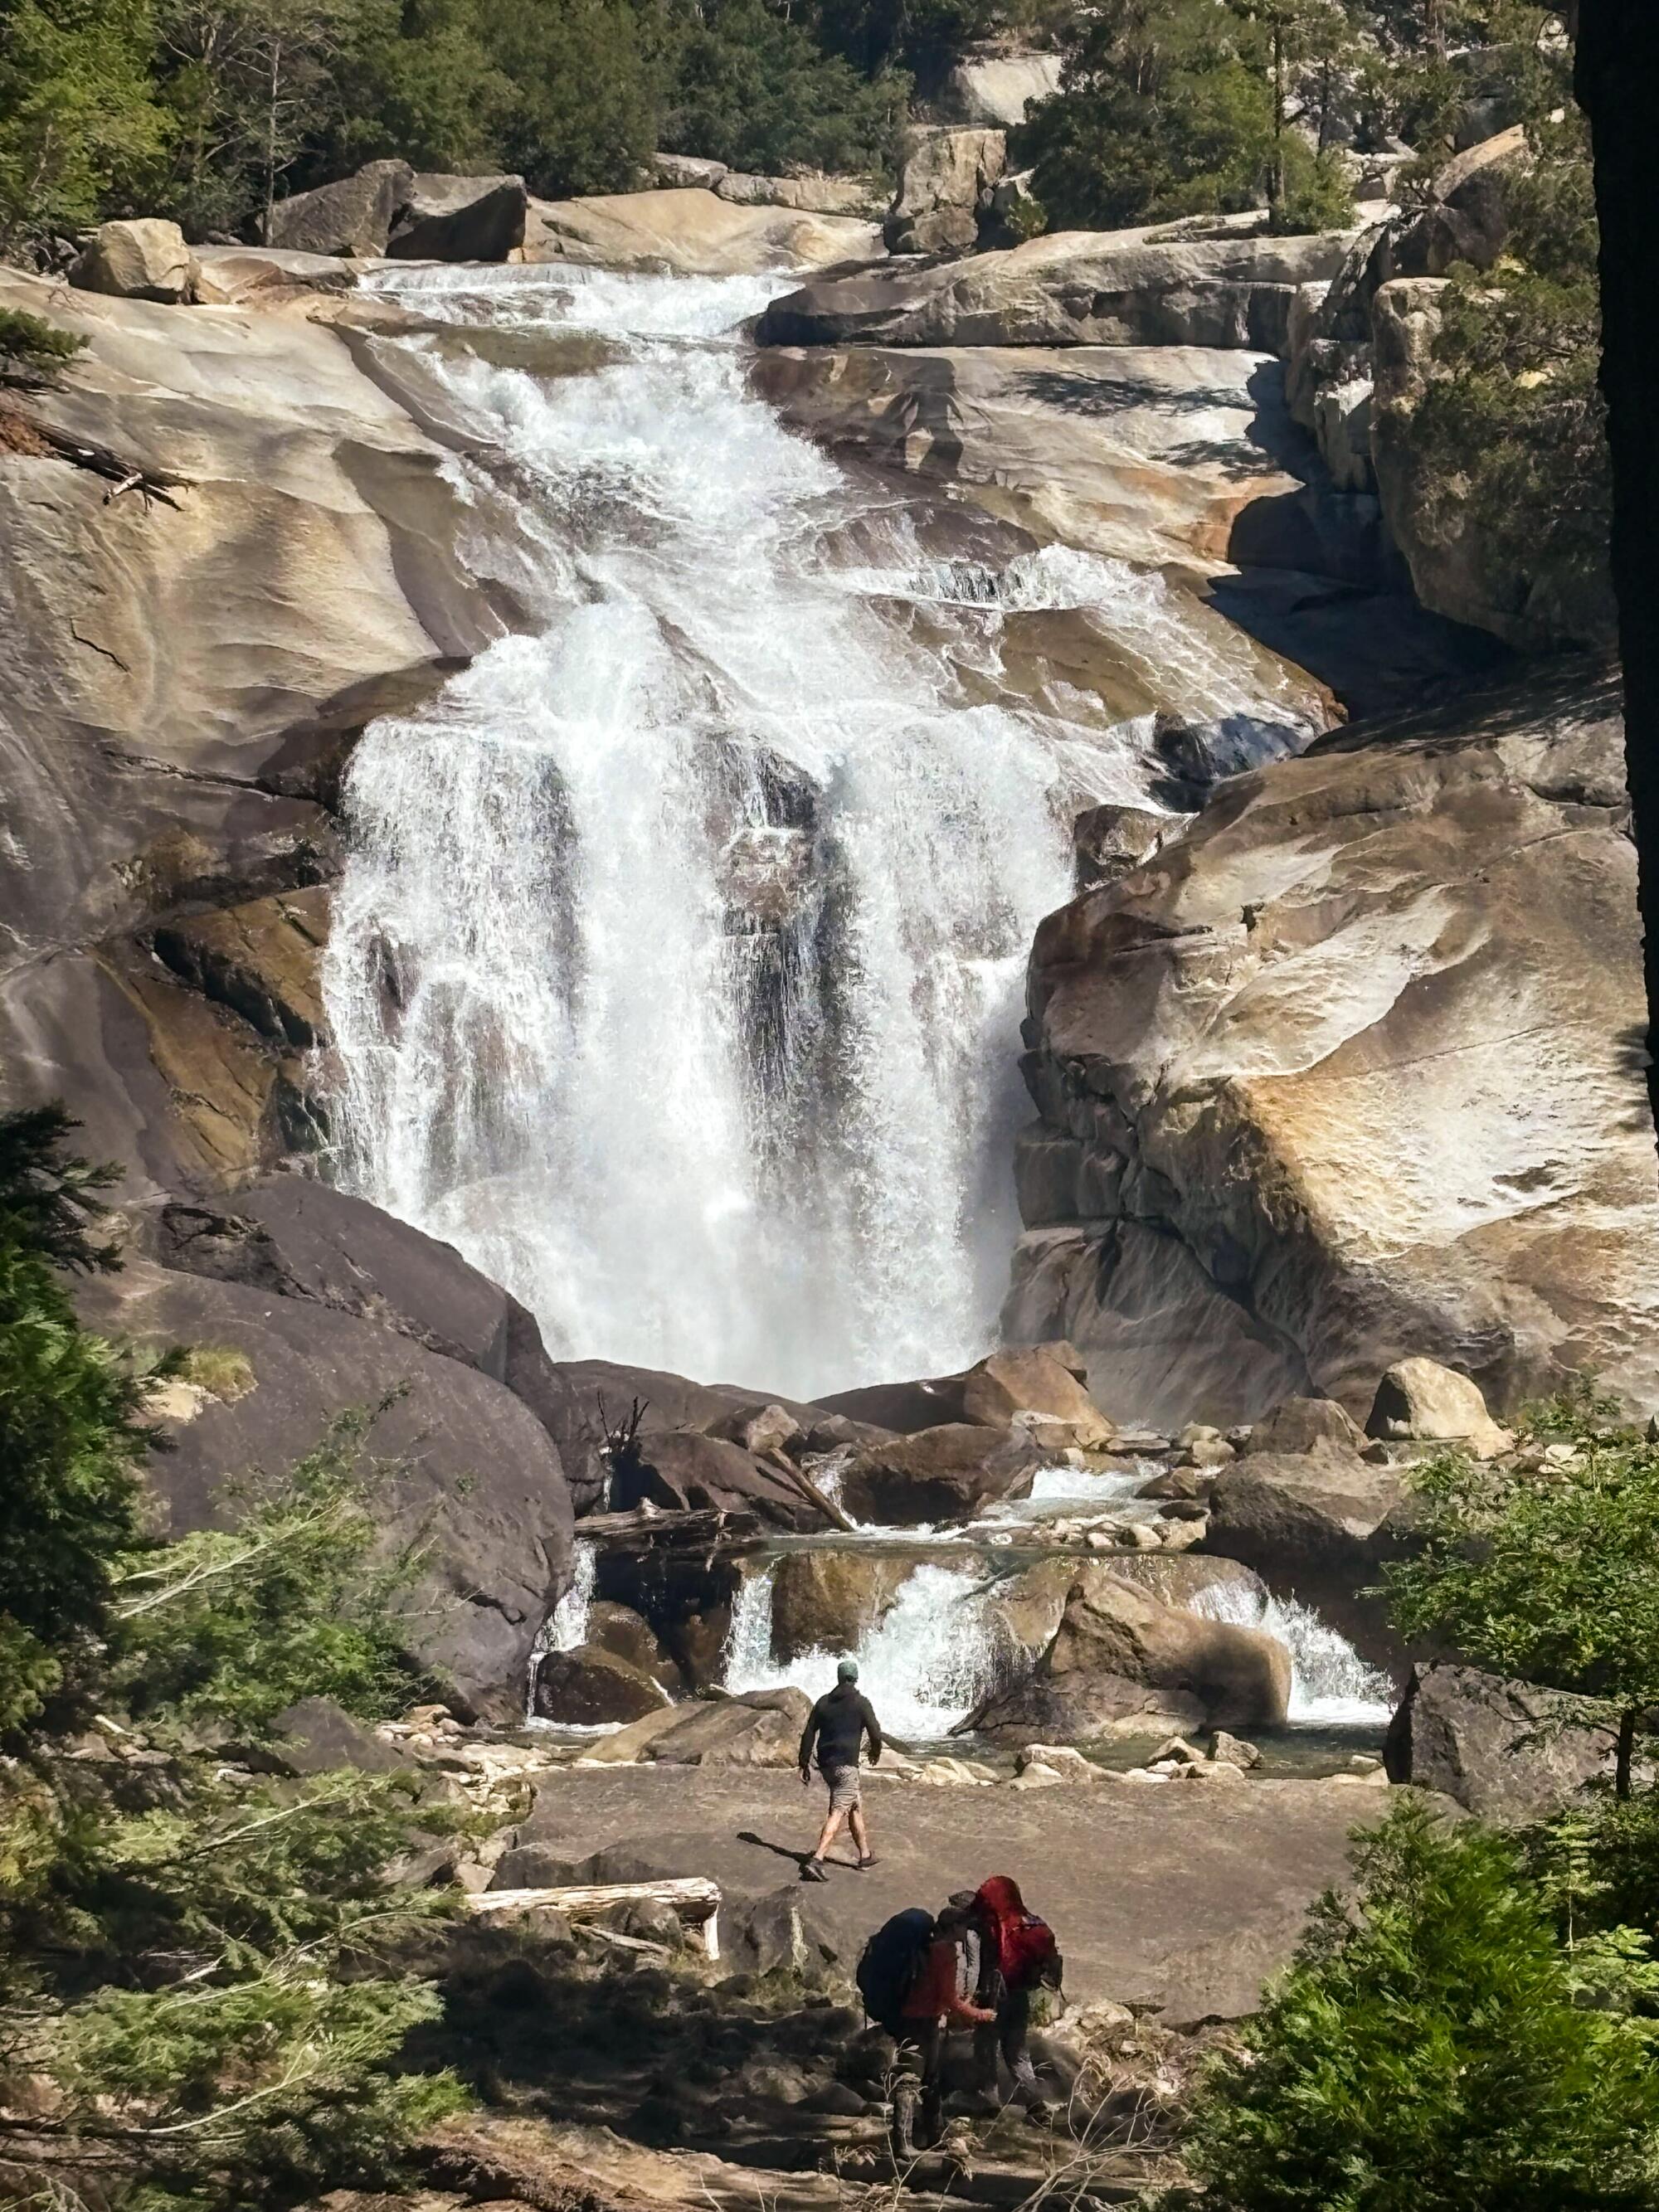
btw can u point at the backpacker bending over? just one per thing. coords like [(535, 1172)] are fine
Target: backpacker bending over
[(916, 1978)]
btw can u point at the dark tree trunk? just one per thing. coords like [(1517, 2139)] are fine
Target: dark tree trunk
[(1617, 80), (1624, 1754)]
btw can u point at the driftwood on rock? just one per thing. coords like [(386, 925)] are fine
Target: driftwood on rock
[(22, 432), (701, 1525), (695, 1897)]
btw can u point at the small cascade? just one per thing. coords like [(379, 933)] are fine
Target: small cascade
[(923, 1668), (1331, 1685), (566, 1627)]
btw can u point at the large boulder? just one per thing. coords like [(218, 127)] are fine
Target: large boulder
[(682, 1470), (301, 1238), (1159, 286), (268, 1373), (693, 232), (592, 1685), (1025, 1609), (760, 1728), (1468, 215), (809, 191), (1121, 1663), (1350, 1062), (830, 1598), (141, 257), (459, 219), (1318, 1526), (998, 90), (1042, 1381), (1420, 1401), (1507, 1751), (945, 1473), (1037, 1388), (945, 182), (353, 216), (619, 1629), (1306, 1425)]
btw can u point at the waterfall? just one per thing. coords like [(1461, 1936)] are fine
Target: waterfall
[(1330, 1683), (676, 972), (566, 1627), (923, 1668)]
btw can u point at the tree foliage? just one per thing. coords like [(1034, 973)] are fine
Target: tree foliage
[(1545, 1572), (1436, 2047), (72, 1426), (753, 89)]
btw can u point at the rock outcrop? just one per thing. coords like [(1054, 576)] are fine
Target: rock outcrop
[(1418, 1400), (592, 1684), (183, 682), (1041, 1385), (1123, 1663), (139, 259), (1349, 1069), (1229, 283), (998, 90), (694, 231), (829, 1600), (473, 1463), (1507, 1751), (945, 188)]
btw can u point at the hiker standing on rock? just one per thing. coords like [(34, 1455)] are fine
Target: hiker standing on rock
[(1018, 1956), (838, 1724)]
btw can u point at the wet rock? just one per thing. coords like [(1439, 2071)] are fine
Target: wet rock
[(829, 1600), (1111, 841), (591, 1684), (444, 218), (1507, 1751), (619, 1629), (1419, 1400), (139, 259), (353, 216), (1025, 1609), (1122, 1660), (1320, 1527), (1233, 1750), (945, 1473)]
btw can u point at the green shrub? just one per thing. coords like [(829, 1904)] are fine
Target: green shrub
[(1434, 2047), (32, 351)]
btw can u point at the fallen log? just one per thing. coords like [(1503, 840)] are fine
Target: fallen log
[(23, 431), (694, 1896), (698, 1525)]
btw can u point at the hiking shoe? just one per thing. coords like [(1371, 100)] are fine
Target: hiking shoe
[(814, 1871), (863, 1865)]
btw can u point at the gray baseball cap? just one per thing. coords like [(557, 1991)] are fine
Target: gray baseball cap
[(847, 1671)]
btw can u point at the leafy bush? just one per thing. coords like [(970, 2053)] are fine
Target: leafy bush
[(1546, 1573), (1434, 2047), (297, 1597), (32, 351)]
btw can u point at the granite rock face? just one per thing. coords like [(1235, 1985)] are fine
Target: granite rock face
[(1350, 1075), (1507, 1751)]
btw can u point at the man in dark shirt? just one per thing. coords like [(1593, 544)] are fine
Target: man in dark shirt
[(838, 1724)]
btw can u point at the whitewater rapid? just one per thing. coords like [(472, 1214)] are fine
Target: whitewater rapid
[(675, 976)]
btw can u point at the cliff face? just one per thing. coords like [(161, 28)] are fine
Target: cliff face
[(1353, 1071), (182, 684)]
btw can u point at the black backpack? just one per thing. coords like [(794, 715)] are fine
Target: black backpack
[(889, 1962)]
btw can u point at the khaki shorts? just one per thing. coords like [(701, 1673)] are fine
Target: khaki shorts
[(845, 1796)]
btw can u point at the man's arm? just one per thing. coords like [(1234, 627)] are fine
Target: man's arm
[(873, 1730), (808, 1738)]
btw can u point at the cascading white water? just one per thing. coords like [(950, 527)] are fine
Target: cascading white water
[(925, 1666), (675, 974), (1330, 1684), (566, 1627)]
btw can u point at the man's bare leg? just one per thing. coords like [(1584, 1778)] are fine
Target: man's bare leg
[(832, 1828), (860, 1833)]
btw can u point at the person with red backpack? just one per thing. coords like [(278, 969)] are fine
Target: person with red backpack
[(1017, 1956)]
